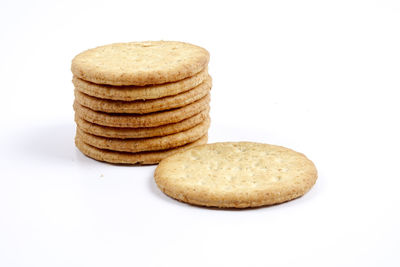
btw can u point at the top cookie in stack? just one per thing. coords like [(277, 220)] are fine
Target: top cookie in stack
[(140, 102)]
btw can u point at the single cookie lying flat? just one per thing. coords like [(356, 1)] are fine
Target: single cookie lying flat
[(236, 175), (142, 120), (152, 157), (146, 144), (140, 63), (122, 133), (144, 106), (130, 93)]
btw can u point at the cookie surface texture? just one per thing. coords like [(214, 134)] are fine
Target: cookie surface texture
[(236, 175), (148, 106), (152, 157), (130, 93), (140, 63)]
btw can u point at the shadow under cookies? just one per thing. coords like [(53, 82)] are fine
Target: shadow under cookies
[(53, 142)]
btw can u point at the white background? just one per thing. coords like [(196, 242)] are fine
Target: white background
[(321, 77)]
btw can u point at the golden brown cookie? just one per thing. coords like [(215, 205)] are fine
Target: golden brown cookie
[(123, 133), (140, 63), (146, 144), (152, 157), (131, 93), (144, 106), (146, 120), (236, 175)]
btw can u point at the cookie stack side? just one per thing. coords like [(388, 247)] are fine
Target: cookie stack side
[(136, 103)]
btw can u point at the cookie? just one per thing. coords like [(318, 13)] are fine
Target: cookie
[(146, 144), (132, 158), (122, 133), (144, 106), (140, 63), (131, 93), (146, 120), (236, 175)]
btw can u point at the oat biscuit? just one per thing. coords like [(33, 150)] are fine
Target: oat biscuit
[(146, 144), (131, 158), (123, 133), (140, 63), (131, 93), (236, 175), (147, 106), (147, 120)]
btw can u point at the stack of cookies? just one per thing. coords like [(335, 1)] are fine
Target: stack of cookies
[(137, 103)]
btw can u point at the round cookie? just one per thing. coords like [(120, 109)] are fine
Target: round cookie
[(146, 144), (146, 120), (140, 63), (152, 157), (236, 175), (144, 106), (131, 93), (122, 133)]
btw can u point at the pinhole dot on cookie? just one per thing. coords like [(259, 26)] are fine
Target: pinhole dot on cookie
[(194, 155)]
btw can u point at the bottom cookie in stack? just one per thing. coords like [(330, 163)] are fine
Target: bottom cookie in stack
[(149, 157)]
